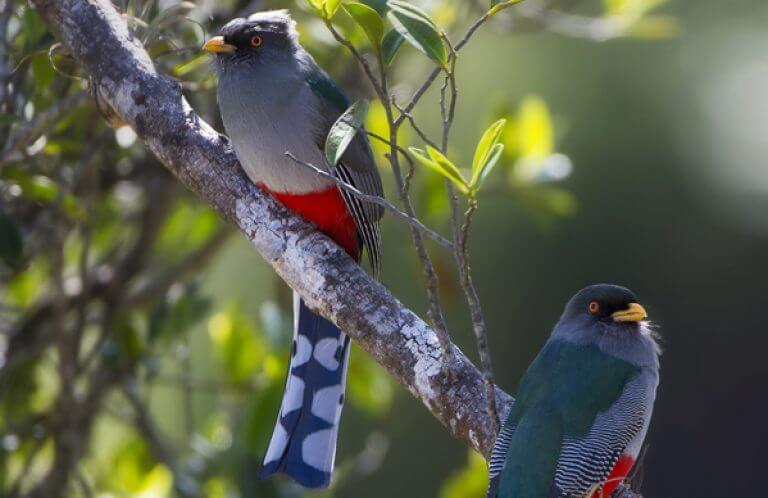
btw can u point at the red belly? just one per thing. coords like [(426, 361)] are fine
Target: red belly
[(619, 472), (328, 211)]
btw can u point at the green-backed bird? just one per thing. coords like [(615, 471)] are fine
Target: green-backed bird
[(274, 99), (584, 404)]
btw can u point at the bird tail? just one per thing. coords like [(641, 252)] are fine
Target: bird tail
[(303, 443)]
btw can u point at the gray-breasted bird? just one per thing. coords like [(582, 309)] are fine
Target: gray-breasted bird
[(274, 99), (584, 405)]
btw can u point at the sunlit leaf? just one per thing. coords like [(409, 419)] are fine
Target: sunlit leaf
[(330, 7), (419, 30), (487, 167), (369, 20), (390, 46), (436, 161), (156, 484), (487, 142), (344, 130), (130, 461), (498, 5)]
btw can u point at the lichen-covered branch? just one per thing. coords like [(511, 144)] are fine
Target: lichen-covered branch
[(329, 281)]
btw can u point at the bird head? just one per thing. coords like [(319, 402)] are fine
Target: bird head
[(268, 36), (610, 317), (605, 304)]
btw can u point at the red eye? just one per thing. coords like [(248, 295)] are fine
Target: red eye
[(594, 307), (256, 41)]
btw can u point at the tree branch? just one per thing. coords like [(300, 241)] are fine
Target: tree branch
[(328, 280)]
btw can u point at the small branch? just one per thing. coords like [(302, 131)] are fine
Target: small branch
[(375, 199), (475, 308), (415, 127)]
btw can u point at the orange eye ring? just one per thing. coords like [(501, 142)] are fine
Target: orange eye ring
[(594, 307), (256, 41)]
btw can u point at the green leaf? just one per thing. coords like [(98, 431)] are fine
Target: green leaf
[(389, 47), (484, 147), (436, 161), (369, 20), (485, 170), (343, 131), (419, 30), (330, 7), (11, 243)]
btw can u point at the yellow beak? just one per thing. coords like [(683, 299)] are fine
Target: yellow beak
[(218, 46), (634, 313)]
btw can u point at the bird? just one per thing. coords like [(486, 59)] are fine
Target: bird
[(274, 98), (584, 405)]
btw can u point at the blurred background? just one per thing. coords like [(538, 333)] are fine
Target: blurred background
[(143, 344)]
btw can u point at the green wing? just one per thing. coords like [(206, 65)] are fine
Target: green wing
[(532, 455), (324, 87), (561, 394), (356, 167)]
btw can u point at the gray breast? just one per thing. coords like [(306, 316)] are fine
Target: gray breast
[(266, 113)]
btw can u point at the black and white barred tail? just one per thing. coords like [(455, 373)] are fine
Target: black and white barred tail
[(303, 443)]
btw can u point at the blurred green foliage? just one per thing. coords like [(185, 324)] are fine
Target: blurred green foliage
[(107, 311)]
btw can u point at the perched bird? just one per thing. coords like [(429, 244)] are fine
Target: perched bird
[(584, 404), (274, 99)]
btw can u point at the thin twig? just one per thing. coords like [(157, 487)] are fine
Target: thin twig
[(375, 199), (415, 126), (476, 312), (460, 241)]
